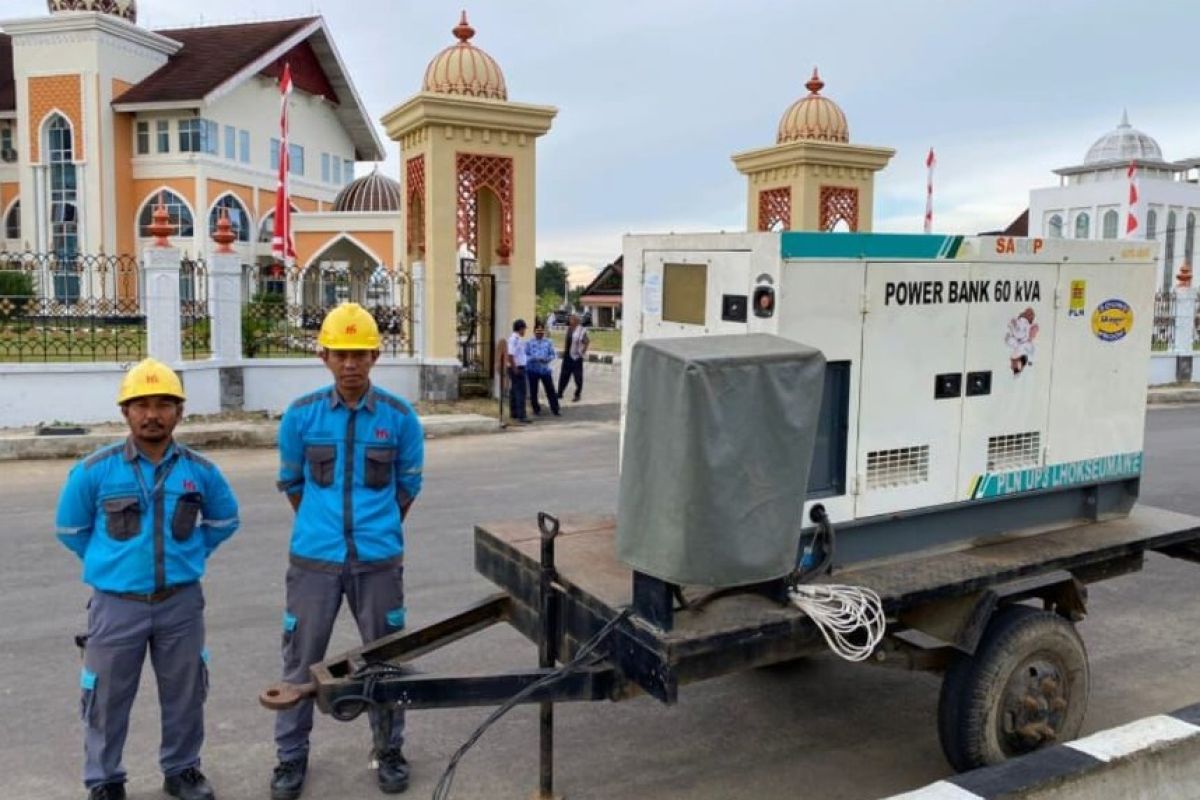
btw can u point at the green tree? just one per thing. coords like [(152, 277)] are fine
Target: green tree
[(548, 301), (551, 275)]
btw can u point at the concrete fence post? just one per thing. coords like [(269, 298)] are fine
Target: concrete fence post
[(417, 317), (225, 305), (1185, 327), (501, 316), (163, 333)]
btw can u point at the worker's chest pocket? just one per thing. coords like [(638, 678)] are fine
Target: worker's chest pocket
[(187, 511), (377, 470), (321, 459), (122, 518)]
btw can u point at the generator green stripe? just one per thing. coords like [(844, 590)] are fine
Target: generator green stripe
[(893, 246), (1056, 476)]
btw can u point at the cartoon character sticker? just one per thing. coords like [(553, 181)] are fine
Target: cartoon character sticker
[(1022, 331)]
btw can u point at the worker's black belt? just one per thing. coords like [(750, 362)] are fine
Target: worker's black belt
[(154, 597)]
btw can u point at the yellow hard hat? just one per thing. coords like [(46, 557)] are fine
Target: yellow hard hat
[(147, 378), (349, 327)]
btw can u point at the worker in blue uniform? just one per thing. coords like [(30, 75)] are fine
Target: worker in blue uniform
[(144, 515), (351, 457)]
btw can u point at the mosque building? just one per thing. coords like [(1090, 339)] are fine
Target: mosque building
[(101, 118), (1091, 199)]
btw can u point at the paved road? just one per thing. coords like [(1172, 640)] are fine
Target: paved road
[(819, 727)]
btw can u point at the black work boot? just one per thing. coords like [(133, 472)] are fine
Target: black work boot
[(188, 785), (107, 791), (287, 782), (393, 771)]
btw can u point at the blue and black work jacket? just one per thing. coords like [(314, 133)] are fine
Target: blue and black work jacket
[(355, 468), (141, 527)]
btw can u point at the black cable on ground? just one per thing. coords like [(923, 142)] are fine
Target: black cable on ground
[(581, 659)]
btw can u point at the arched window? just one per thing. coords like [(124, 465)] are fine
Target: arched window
[(1082, 225), (1169, 255), (177, 209), (1054, 227), (1110, 224), (64, 211), (12, 222), (239, 219), (266, 227), (1189, 237), (1151, 224)]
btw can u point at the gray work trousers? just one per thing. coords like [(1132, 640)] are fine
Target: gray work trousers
[(119, 633), (314, 596)]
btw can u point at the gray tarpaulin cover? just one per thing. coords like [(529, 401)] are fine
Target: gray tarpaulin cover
[(719, 434)]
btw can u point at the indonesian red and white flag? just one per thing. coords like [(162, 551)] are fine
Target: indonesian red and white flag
[(283, 246), (930, 163), (1133, 225)]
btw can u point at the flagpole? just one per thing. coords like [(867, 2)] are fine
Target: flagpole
[(930, 162)]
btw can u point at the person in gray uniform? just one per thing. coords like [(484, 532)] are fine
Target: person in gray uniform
[(144, 515), (350, 463)]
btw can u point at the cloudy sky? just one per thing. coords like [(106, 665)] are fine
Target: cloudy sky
[(655, 95)]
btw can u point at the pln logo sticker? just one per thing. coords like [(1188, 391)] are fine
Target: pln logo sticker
[(1112, 320), (1078, 299)]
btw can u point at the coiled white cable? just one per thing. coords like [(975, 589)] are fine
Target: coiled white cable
[(840, 612)]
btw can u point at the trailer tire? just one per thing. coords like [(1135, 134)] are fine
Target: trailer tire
[(1025, 687)]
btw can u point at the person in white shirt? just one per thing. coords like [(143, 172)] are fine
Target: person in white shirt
[(515, 359), (574, 352)]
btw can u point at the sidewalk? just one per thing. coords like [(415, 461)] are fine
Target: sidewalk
[(25, 444), (1174, 394)]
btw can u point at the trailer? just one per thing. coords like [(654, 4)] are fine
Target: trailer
[(997, 618), (900, 429)]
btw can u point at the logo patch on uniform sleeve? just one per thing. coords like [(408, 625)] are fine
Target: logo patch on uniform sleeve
[(189, 486), (381, 434)]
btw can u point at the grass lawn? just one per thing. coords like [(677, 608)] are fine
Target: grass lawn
[(22, 343), (606, 341)]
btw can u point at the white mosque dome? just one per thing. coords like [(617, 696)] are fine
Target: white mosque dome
[(1123, 144)]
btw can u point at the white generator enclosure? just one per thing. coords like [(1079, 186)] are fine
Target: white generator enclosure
[(974, 385)]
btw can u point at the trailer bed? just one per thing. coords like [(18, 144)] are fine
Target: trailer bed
[(741, 630)]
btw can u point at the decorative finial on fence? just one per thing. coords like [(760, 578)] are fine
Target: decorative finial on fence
[(161, 228), (224, 235), (504, 252), (1184, 277)]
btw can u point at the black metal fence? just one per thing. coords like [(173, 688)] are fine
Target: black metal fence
[(195, 317), (476, 300), (76, 308), (1162, 337), (282, 312)]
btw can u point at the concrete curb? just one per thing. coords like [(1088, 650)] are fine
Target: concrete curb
[(214, 436), (1154, 758), (1175, 395)]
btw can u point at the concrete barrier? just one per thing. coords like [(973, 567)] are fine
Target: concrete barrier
[(1156, 758)]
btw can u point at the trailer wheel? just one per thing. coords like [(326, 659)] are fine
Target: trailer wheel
[(1025, 687)]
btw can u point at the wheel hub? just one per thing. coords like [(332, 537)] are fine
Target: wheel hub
[(1033, 706)]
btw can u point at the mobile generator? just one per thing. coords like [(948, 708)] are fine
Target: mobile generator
[(973, 385), (951, 426)]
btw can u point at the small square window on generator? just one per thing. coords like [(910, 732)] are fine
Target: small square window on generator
[(685, 288)]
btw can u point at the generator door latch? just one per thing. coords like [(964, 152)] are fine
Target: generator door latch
[(948, 384), (733, 307), (979, 383)]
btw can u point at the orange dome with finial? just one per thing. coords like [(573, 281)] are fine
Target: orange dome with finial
[(465, 69), (814, 117)]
